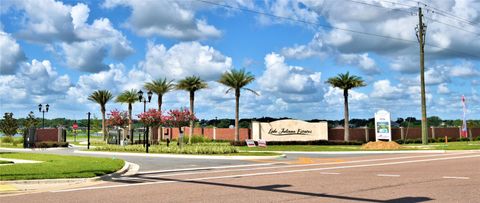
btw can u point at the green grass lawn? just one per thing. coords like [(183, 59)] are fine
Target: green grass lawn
[(474, 145), (57, 166)]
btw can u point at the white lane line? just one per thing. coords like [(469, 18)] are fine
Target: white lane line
[(456, 177), (275, 167), (388, 175), (269, 173), (329, 173), (206, 168)]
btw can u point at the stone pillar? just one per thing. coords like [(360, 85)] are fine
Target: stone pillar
[(402, 133), (59, 134), (433, 132), (214, 133), (366, 134)]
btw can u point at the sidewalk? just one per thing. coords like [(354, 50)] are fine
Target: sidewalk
[(185, 156)]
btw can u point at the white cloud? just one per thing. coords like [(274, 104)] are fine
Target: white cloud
[(293, 9), (464, 70), (316, 47), (280, 77), (384, 90), (443, 89), (84, 46), (334, 96), (11, 55), (37, 81), (175, 19), (363, 61), (405, 64), (185, 59)]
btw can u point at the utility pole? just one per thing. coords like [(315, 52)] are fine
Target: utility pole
[(421, 29)]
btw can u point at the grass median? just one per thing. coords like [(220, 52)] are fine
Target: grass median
[(193, 149), (57, 166)]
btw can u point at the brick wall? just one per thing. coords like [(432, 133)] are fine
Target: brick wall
[(335, 134), (221, 133), (358, 134), (46, 135)]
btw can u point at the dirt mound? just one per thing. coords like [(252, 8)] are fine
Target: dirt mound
[(381, 145)]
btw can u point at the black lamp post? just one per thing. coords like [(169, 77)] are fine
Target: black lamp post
[(141, 98), (43, 113)]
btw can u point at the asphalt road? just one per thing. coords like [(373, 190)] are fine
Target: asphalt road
[(446, 177)]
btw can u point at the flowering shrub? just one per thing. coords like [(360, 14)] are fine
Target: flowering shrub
[(152, 117), (178, 117), (117, 118)]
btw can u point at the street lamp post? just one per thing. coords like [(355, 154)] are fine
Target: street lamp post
[(141, 98), (43, 113)]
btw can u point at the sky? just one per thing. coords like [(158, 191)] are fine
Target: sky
[(59, 52)]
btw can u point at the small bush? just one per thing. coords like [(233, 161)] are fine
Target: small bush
[(50, 144), (7, 139), (478, 138), (209, 148), (463, 139), (196, 139)]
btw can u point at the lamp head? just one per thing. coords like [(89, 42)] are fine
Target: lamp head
[(150, 93), (40, 107), (140, 95), (47, 106)]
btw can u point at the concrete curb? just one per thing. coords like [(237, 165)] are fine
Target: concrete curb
[(367, 152), (123, 170), (33, 149), (219, 157)]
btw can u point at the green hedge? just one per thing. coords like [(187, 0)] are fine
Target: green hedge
[(206, 148), (50, 144)]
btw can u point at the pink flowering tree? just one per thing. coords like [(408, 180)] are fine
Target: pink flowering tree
[(152, 117), (117, 118), (178, 118)]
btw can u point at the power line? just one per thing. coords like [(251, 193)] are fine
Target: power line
[(410, 12), (330, 26), (444, 12)]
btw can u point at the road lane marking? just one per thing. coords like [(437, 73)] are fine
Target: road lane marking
[(456, 177), (206, 168), (329, 173), (388, 175), (270, 173), (272, 167)]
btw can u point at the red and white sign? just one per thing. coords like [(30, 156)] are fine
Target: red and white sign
[(262, 143), (75, 126), (250, 143)]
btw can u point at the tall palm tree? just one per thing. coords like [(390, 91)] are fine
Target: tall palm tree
[(191, 84), (128, 97), (237, 80), (160, 87), (101, 97), (346, 82)]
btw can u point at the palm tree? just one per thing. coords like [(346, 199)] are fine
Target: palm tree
[(191, 84), (101, 97), (160, 87), (346, 82), (128, 97), (237, 80)]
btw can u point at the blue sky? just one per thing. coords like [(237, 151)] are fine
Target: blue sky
[(59, 52)]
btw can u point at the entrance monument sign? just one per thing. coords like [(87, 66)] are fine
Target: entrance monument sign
[(383, 130), (289, 130)]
